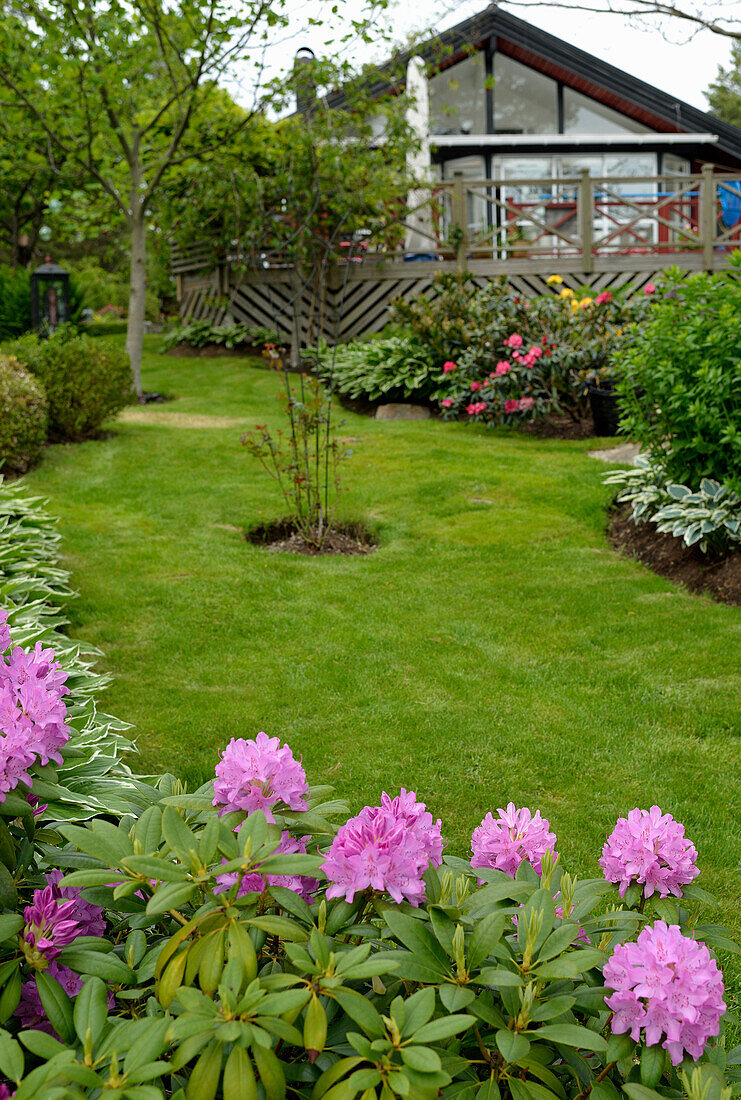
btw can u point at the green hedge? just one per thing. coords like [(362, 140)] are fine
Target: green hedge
[(24, 417)]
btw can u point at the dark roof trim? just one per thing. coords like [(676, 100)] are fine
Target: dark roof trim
[(567, 63)]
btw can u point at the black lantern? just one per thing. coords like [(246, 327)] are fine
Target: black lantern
[(49, 297)]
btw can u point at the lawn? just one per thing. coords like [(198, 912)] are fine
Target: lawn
[(493, 649)]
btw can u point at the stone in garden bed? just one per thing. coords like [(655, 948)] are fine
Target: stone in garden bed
[(402, 411), (669, 557)]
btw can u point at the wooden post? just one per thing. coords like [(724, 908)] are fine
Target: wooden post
[(707, 216), (460, 218), (586, 220)]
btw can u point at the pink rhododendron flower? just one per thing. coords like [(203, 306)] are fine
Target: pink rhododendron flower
[(503, 367), (446, 402), (516, 834), (649, 848), (386, 848), (49, 926), (88, 916), (536, 351), (449, 366), (475, 386), (475, 408), (511, 405), (529, 360), (257, 774), (514, 341), (665, 984), (605, 296), (649, 288), (525, 403), (302, 885)]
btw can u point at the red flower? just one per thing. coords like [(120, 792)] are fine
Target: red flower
[(605, 296), (448, 366), (446, 402), (526, 403), (511, 405), (475, 386)]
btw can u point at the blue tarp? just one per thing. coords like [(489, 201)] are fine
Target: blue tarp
[(730, 202)]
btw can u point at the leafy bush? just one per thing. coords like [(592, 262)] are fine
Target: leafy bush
[(389, 368), (533, 356), (86, 380), (99, 288), (709, 518), (201, 334), (681, 386), (444, 323), (15, 302), (24, 417)]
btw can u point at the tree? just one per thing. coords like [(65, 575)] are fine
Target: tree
[(724, 94), (116, 86), (692, 17)]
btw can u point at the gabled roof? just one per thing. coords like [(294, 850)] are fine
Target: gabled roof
[(565, 62)]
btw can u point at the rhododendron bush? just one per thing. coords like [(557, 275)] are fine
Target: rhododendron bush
[(253, 940), (531, 356)]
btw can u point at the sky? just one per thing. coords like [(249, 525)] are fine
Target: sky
[(666, 58)]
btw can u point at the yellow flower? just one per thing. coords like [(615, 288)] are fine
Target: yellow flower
[(585, 302), (554, 280), (575, 306), (567, 293), (618, 332)]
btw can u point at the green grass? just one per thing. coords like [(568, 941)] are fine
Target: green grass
[(493, 649)]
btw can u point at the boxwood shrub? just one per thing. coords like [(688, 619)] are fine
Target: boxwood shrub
[(24, 417), (86, 380)]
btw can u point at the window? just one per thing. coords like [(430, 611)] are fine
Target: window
[(471, 168), (582, 115), (525, 101), (458, 98)]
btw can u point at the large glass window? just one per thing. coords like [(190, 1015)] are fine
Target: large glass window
[(582, 115), (471, 168), (525, 101), (458, 98)]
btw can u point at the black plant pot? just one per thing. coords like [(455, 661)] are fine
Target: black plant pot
[(605, 409)]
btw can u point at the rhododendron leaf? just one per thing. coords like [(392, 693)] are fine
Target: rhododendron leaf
[(42, 1045), (57, 1006), (8, 894), (620, 1047), (10, 997), (417, 1010), (640, 1092), (571, 1035), (559, 940), (340, 913), (486, 933), (360, 1009), (443, 928), (498, 977), (94, 844), (489, 1090), (239, 1078), (430, 1081), (10, 925), (291, 864), (512, 1045), (91, 1010), (280, 926), (499, 891), (443, 1028), (92, 877), (456, 997), (410, 968), (13, 805), (571, 965), (161, 870), (270, 1071), (541, 904), (178, 836), (418, 938), (653, 1060), (191, 803), (204, 1078), (549, 1009), (98, 964), (148, 829), (717, 936), (171, 896), (591, 997), (604, 1090)]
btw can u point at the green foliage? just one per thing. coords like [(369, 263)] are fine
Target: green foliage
[(99, 288), (446, 321), (724, 94), (15, 302), (709, 518), (201, 334), (681, 380), (24, 417), (86, 380), (383, 369)]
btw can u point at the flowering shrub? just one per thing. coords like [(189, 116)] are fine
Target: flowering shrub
[(681, 385), (533, 356), (236, 942)]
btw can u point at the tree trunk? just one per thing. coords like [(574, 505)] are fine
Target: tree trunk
[(137, 289)]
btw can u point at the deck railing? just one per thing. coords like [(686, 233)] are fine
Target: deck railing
[(583, 219)]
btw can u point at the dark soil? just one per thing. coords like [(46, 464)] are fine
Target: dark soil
[(670, 558), (559, 427), (214, 351), (151, 398), (283, 538)]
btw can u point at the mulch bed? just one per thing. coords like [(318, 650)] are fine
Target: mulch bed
[(670, 558), (283, 538), (215, 351), (559, 427)]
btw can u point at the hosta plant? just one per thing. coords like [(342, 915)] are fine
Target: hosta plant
[(708, 517), (240, 942)]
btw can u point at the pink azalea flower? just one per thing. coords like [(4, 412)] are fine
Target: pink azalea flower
[(535, 352), (529, 360), (476, 408), (88, 916), (449, 366), (446, 402), (514, 341), (50, 925), (665, 984), (649, 848), (385, 848), (258, 774), (503, 842), (525, 403), (503, 367), (475, 386), (511, 405), (649, 288), (605, 296)]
